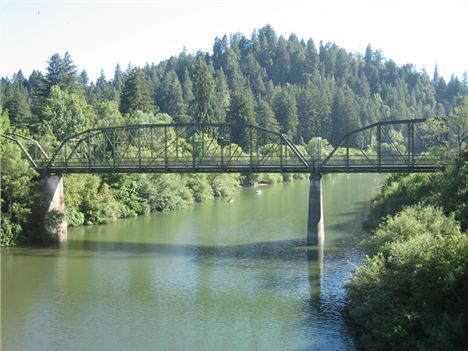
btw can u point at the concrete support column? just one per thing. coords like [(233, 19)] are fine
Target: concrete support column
[(315, 229), (55, 220)]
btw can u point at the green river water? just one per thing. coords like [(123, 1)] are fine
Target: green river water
[(218, 276)]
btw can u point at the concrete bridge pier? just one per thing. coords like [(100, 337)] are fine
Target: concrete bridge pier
[(55, 220), (315, 228)]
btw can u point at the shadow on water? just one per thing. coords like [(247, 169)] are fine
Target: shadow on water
[(291, 250)]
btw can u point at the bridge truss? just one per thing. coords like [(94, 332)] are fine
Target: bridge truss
[(393, 146)]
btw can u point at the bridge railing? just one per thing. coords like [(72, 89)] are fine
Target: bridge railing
[(232, 148), (399, 143), (161, 146)]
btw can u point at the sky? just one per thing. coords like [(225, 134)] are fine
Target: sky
[(100, 34)]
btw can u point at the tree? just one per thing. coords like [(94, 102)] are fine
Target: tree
[(136, 95), (241, 113), (345, 116), (65, 114), (203, 105), (458, 126), (17, 195), (284, 105), (266, 116), (16, 102), (61, 72), (169, 96)]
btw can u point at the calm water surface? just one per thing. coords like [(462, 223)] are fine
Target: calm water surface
[(217, 276)]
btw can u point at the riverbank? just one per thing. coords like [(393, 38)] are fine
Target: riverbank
[(409, 292), (92, 199)]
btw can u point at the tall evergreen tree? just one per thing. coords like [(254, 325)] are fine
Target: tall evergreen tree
[(284, 105), (170, 98), (203, 106), (136, 95), (241, 113), (266, 116), (61, 72)]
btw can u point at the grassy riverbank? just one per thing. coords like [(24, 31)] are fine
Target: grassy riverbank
[(410, 293)]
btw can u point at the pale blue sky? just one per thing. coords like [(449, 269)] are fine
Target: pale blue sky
[(100, 34)]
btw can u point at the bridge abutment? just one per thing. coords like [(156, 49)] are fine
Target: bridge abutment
[(55, 220), (315, 227)]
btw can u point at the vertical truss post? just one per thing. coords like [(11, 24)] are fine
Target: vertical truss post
[(222, 155), (139, 148), (113, 149), (281, 153), (89, 150), (251, 148), (347, 153), (165, 146), (177, 144), (409, 145), (412, 144), (151, 142), (193, 149), (379, 145), (257, 146), (66, 158), (202, 148)]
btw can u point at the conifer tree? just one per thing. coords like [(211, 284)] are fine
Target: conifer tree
[(203, 105), (241, 113), (284, 105), (136, 94)]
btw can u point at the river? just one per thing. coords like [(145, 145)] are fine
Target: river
[(217, 276)]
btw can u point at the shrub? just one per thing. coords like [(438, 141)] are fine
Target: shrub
[(411, 222), (412, 295)]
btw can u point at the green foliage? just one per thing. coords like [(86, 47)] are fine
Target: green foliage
[(65, 114), (447, 190), (89, 200), (203, 106), (136, 95), (241, 114), (410, 294), (284, 105), (224, 184), (411, 222), (168, 194), (200, 187), (18, 189)]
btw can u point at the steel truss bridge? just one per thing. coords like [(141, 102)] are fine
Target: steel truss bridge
[(397, 146)]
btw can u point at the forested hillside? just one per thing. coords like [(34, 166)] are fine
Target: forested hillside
[(295, 86)]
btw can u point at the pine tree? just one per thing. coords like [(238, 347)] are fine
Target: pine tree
[(16, 103), (61, 72), (284, 105), (203, 106), (241, 114), (170, 98), (136, 95), (266, 116)]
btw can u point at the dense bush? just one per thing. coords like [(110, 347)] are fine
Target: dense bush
[(92, 199), (18, 190), (447, 190), (411, 222), (412, 294)]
